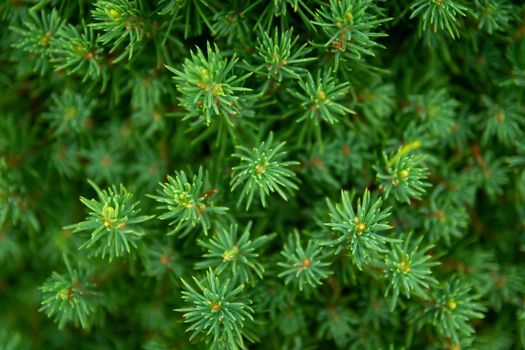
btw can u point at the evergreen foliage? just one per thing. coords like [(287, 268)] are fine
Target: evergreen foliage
[(112, 221), (218, 310), (266, 174)]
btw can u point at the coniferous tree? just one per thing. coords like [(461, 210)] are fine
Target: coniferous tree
[(267, 174)]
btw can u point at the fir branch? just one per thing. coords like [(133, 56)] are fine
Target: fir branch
[(337, 323), (444, 220), (435, 109), (437, 15), (161, 260), (75, 50), (188, 202), (263, 171), (320, 98), (235, 256), (38, 35), (404, 176), (69, 113), (503, 120), (112, 221), (494, 15), (209, 87), (451, 308), (358, 229), (350, 27), (104, 162), (280, 57), (409, 270), (305, 267), (218, 312), (70, 298), (123, 22), (376, 102)]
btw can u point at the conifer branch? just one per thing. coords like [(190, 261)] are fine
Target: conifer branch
[(358, 229), (112, 221), (188, 202), (218, 313)]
